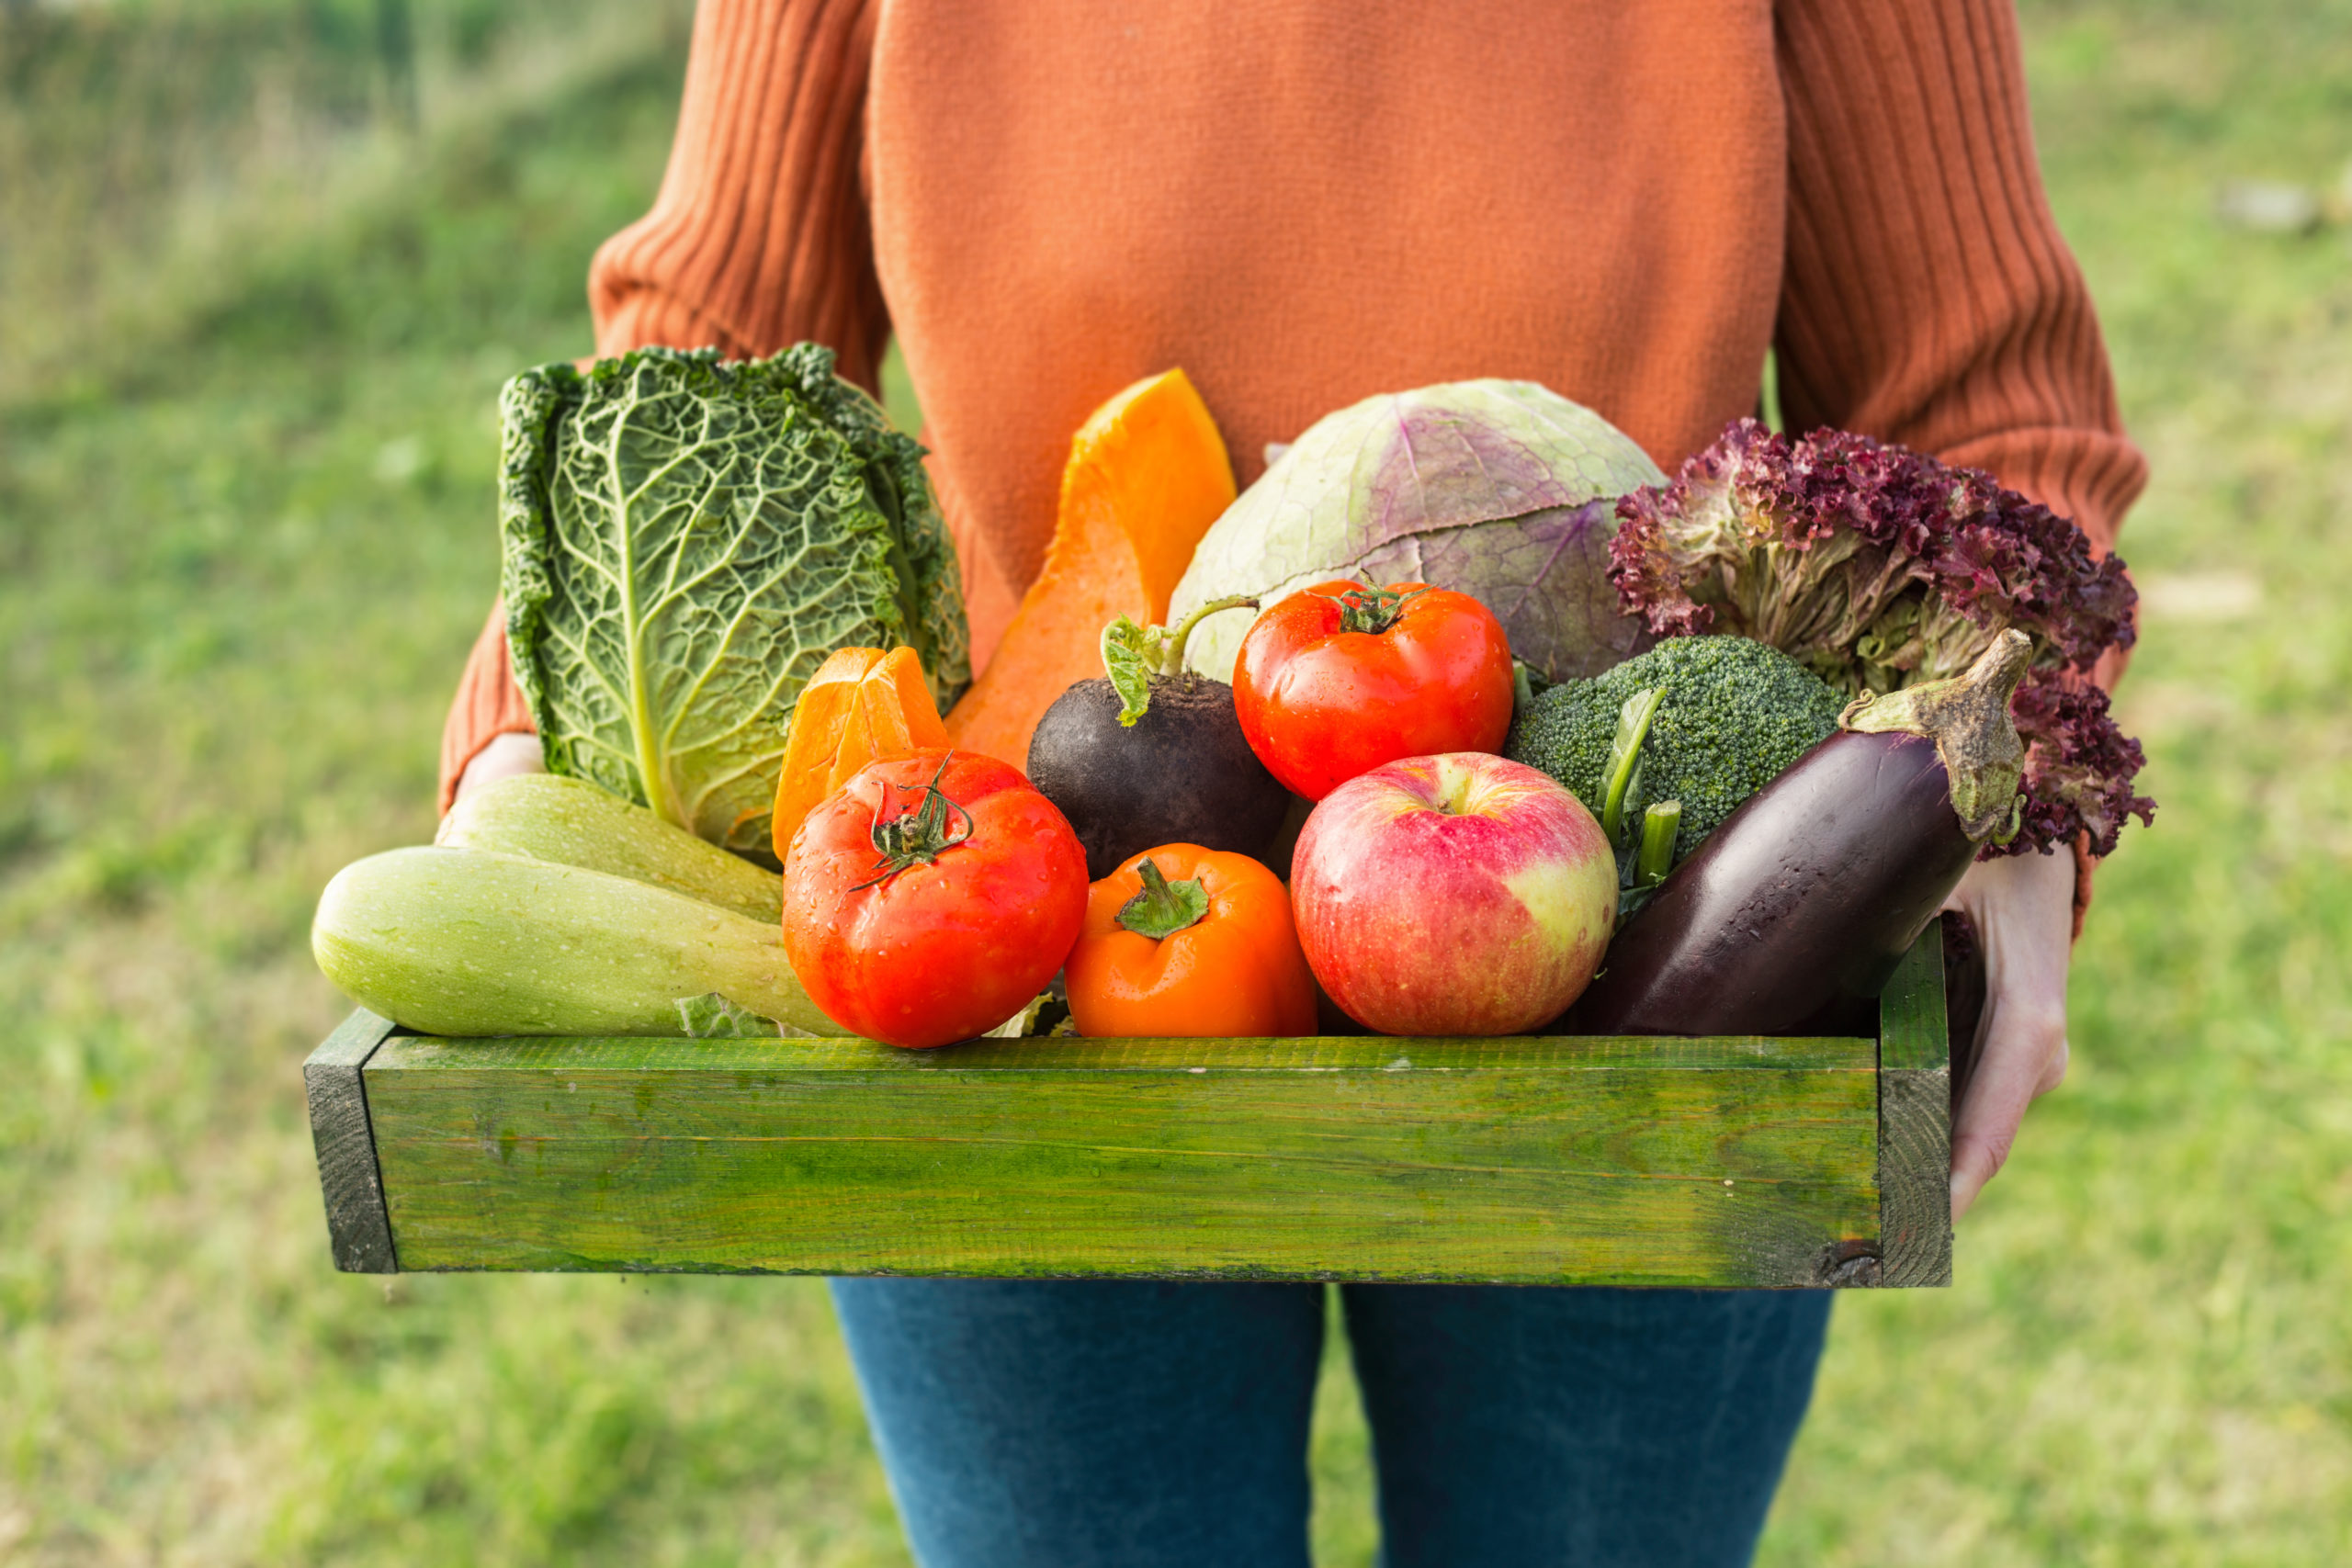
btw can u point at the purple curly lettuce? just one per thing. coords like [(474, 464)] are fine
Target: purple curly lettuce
[(1877, 567)]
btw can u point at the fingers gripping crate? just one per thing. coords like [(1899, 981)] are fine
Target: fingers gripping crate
[(1554, 1160)]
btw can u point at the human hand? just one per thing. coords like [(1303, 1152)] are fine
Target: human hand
[(2023, 909), (505, 756)]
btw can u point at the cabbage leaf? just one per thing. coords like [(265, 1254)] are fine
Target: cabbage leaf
[(685, 542)]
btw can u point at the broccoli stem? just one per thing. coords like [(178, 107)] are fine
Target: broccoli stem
[(1624, 758), (1660, 823)]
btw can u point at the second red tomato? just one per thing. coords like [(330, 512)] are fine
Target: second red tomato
[(930, 898), (1340, 678)]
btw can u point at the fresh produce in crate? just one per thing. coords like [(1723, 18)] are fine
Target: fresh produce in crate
[(686, 540), (1151, 754), (1878, 568), (1815, 888), (1186, 941), (931, 897), (471, 942), (1344, 676), (1501, 490), (1147, 475), (1453, 894), (864, 706)]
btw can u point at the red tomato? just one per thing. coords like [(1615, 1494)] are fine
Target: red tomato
[(1340, 678), (928, 900)]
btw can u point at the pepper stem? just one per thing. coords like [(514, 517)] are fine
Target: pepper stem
[(1968, 718), (1164, 907)]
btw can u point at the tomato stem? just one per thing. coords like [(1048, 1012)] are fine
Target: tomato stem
[(1374, 609), (919, 837)]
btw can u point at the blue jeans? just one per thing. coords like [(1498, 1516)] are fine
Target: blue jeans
[(1129, 1424)]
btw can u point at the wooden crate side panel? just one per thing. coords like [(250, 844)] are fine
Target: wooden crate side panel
[(1915, 1121), (1653, 1175), (359, 1233)]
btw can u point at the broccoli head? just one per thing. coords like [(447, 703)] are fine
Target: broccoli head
[(1733, 715)]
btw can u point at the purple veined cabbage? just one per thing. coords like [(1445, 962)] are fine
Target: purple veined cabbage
[(1502, 490)]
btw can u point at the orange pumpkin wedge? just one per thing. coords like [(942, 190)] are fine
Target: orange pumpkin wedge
[(895, 716), (862, 705), (1148, 474)]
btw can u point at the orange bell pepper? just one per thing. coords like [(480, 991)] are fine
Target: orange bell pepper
[(1183, 941)]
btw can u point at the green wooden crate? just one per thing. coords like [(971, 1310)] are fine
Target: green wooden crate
[(1553, 1160)]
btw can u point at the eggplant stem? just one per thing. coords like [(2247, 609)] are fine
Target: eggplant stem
[(1968, 718)]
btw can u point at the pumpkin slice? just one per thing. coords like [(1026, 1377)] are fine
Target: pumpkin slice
[(1148, 474), (818, 719), (894, 715), (862, 705)]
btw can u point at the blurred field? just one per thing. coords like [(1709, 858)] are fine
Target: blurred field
[(247, 360)]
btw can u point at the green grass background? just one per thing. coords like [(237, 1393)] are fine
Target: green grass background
[(246, 446)]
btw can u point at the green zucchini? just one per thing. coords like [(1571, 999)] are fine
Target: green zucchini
[(573, 822), (469, 942)]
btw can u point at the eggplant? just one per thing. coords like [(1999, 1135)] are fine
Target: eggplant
[(1810, 893)]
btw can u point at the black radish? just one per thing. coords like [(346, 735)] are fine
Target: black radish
[(1814, 889), (1153, 754)]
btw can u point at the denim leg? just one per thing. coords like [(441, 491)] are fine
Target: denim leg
[(1066, 1424), (1604, 1428)]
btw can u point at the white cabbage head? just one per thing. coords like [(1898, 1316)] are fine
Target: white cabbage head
[(1502, 490)]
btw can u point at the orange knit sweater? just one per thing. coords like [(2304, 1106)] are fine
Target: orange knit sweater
[(1303, 202)]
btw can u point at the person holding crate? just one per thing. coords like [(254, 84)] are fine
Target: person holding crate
[(1304, 203)]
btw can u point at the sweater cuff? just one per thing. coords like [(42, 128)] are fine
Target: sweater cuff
[(488, 705)]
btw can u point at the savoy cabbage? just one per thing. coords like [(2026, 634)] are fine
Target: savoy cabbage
[(686, 540)]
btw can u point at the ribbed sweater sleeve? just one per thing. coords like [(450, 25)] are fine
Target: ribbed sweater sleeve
[(760, 236), (1926, 297)]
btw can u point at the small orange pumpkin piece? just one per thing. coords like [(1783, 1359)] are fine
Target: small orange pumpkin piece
[(862, 705), (1148, 474)]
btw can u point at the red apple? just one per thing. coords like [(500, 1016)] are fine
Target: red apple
[(1455, 894)]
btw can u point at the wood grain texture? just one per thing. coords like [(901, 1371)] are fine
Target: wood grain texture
[(1914, 1121), (359, 1225), (1659, 1162)]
